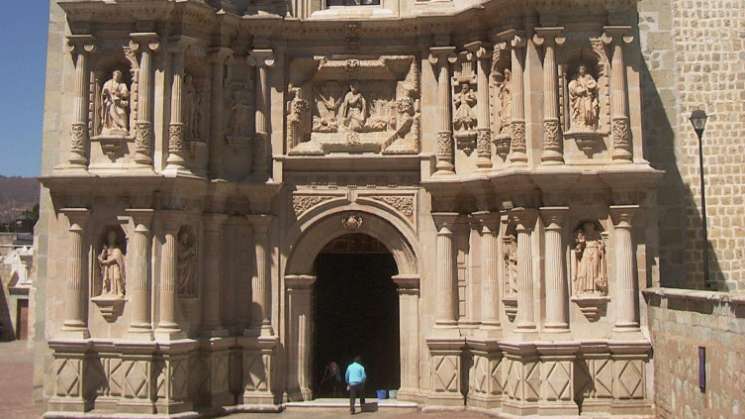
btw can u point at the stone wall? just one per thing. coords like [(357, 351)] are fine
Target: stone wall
[(695, 57), (682, 321)]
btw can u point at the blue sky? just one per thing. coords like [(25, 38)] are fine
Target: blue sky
[(23, 28)]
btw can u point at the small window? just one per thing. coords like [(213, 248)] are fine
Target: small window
[(332, 3)]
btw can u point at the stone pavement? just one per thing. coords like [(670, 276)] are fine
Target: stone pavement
[(16, 369), (333, 414)]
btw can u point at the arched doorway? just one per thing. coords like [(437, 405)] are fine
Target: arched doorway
[(355, 312)]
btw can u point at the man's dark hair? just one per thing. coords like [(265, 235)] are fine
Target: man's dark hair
[(358, 358)]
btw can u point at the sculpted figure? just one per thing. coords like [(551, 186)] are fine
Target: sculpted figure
[(327, 103), (403, 121), (115, 112), (589, 261), (465, 101), (504, 97), (510, 267), (583, 98), (298, 118), (354, 111), (192, 105), (240, 117), (111, 262), (186, 269)]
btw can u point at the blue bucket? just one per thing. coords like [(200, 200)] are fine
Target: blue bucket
[(381, 394)]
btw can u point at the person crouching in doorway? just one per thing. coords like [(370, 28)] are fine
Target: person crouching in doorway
[(355, 378)]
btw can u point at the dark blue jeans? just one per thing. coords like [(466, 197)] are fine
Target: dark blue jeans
[(356, 390)]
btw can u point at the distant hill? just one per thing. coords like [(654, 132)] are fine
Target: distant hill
[(17, 194)]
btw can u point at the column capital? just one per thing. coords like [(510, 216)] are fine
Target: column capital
[(260, 222), (141, 216), (480, 49), (549, 36), (524, 218), (513, 38), (172, 220), (261, 57), (445, 220), (299, 282), (78, 217), (141, 41), (442, 55), (622, 215), (488, 220), (81, 44), (406, 281), (554, 217), (620, 34)]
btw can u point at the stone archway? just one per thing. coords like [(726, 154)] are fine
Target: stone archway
[(299, 280)]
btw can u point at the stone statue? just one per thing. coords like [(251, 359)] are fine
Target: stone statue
[(115, 112), (588, 263), (510, 266), (403, 122), (353, 111), (298, 119), (327, 106), (583, 98), (111, 262), (240, 117), (187, 264), (192, 109), (465, 101), (504, 98)]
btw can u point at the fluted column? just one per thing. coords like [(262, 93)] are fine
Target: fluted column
[(176, 160), (475, 275), (518, 148), (146, 44), (214, 225), (261, 294), (490, 296), (446, 313), (138, 274), (80, 46), (524, 219), (553, 147), (483, 142), (262, 59), (556, 283), (218, 58), (76, 314), (621, 130), (167, 327), (300, 332), (442, 57), (626, 296)]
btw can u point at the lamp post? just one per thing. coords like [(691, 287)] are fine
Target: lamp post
[(698, 120)]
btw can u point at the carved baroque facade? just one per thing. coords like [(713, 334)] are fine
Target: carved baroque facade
[(211, 150)]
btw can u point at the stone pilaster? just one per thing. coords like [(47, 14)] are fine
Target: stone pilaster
[(263, 60), (483, 142), (485, 378), (138, 274), (446, 311), (72, 387), (553, 147), (441, 58), (80, 46), (146, 44), (557, 313), (625, 298), (259, 372), (167, 328), (75, 325), (557, 379), (138, 377), (299, 347), (408, 303), (218, 58), (177, 148), (490, 293), (522, 378), (446, 372), (524, 219), (175, 369), (518, 148), (617, 36), (474, 274), (214, 287), (218, 371), (261, 295), (629, 360)]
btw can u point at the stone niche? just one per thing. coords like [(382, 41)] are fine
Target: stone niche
[(354, 105)]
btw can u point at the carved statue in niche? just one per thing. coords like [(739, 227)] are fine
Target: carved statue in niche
[(509, 255), (115, 106), (583, 100), (240, 116), (192, 109), (328, 105), (588, 261), (465, 102), (353, 112), (111, 264), (298, 119), (187, 264), (504, 99)]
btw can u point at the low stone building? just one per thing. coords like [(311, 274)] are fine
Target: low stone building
[(16, 264), (236, 194)]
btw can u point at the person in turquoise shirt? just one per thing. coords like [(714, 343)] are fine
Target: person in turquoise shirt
[(355, 378)]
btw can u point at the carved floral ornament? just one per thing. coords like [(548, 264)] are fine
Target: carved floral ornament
[(352, 222)]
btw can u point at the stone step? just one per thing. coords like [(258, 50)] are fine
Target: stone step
[(371, 404)]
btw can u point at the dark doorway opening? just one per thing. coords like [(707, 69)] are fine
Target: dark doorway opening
[(355, 312)]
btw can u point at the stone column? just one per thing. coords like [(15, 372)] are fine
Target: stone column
[(218, 57), (553, 147), (299, 307), (214, 274), (518, 149), (620, 128), (76, 314), (626, 297), (261, 295), (446, 312), (524, 219), (138, 274), (442, 57), (168, 329), (176, 160), (483, 143), (147, 44), (490, 295), (80, 46), (474, 275), (556, 283), (262, 59), (408, 302)]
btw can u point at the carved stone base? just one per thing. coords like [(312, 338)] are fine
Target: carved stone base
[(593, 307), (522, 378), (71, 377), (113, 145), (590, 142), (445, 359), (485, 376), (218, 368), (510, 308), (109, 306), (466, 141), (502, 145), (258, 370)]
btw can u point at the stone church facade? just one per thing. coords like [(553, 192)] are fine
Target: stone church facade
[(203, 153)]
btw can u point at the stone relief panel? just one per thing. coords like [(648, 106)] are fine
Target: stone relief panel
[(464, 85), (500, 104), (353, 104), (196, 109), (303, 203), (509, 274), (186, 268), (239, 121)]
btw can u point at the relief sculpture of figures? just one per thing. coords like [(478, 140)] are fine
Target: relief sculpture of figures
[(504, 98), (327, 106), (111, 262), (192, 106), (298, 120), (465, 101), (354, 109), (403, 122), (583, 97), (588, 262), (187, 260), (115, 112)]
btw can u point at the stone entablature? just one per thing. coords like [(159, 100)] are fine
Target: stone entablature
[(212, 152)]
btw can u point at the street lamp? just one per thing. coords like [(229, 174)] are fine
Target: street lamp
[(698, 120)]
